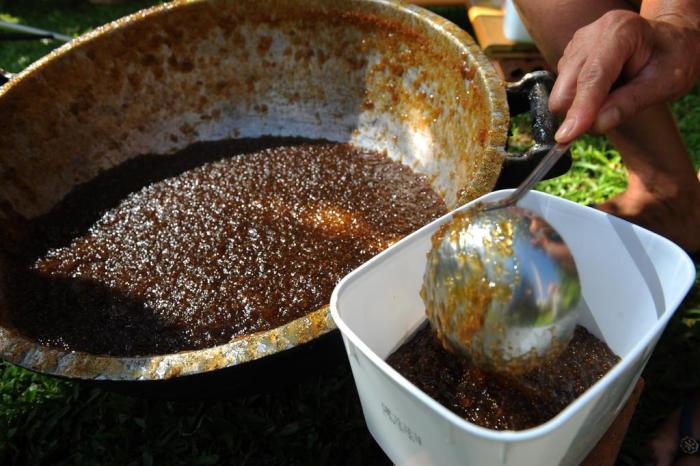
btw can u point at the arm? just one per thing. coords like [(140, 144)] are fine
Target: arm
[(650, 57)]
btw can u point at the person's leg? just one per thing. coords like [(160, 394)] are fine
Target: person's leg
[(663, 193)]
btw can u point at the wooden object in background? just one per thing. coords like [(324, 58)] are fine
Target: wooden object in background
[(511, 59), (488, 26)]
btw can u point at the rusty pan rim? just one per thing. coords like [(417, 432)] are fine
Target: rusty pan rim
[(26, 353)]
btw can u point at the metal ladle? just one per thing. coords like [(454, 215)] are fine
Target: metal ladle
[(500, 285)]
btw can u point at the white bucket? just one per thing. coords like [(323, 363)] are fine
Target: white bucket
[(632, 279)]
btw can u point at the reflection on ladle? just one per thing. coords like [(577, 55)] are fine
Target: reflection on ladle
[(501, 285)]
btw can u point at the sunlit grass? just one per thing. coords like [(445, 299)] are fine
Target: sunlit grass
[(596, 174)]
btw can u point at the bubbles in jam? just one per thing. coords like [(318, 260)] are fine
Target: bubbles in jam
[(188, 251), (501, 401)]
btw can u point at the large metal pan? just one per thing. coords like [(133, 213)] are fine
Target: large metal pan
[(380, 74)]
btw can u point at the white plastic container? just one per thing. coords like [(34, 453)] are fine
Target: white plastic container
[(633, 280)]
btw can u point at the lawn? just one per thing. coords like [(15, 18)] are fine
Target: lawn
[(318, 421)]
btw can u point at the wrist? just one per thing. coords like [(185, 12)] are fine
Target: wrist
[(684, 39), (678, 20), (680, 13)]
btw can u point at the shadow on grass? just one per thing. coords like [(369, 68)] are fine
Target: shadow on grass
[(316, 422)]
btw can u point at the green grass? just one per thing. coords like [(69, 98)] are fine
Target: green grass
[(596, 174), (70, 17), (318, 421)]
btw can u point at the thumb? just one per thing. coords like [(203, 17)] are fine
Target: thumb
[(593, 85)]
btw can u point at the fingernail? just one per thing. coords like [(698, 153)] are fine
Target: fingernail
[(564, 130), (608, 119)]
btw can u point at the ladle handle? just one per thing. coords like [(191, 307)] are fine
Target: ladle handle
[(536, 175)]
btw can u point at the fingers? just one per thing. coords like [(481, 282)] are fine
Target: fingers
[(593, 85), (564, 89), (597, 56)]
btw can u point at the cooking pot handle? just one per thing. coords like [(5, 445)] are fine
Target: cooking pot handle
[(532, 93)]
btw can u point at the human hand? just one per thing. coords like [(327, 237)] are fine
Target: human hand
[(650, 61)]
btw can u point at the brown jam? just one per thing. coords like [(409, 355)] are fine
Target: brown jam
[(224, 239), (500, 401)]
